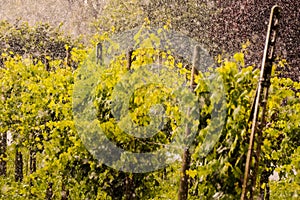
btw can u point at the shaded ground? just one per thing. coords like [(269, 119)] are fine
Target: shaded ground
[(248, 19)]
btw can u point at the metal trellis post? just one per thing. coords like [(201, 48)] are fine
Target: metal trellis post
[(260, 102)]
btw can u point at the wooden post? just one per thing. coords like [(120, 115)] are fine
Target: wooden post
[(64, 192), (18, 166), (129, 58), (49, 192), (32, 161), (3, 156), (129, 187), (99, 54), (129, 183), (184, 179), (32, 154)]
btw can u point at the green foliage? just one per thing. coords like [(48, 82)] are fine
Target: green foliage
[(288, 186), (220, 174), (120, 16), (282, 140), (36, 110), (41, 42)]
